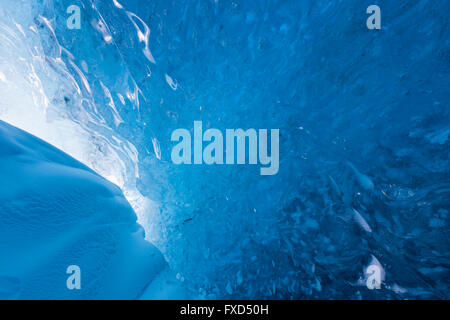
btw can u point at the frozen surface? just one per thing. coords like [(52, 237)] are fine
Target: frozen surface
[(55, 213), (363, 115)]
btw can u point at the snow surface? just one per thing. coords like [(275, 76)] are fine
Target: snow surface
[(56, 212)]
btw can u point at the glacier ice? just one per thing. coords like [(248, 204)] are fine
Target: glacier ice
[(363, 118)]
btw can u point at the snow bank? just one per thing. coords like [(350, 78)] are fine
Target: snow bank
[(56, 212)]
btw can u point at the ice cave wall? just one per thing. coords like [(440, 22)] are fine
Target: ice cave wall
[(363, 118)]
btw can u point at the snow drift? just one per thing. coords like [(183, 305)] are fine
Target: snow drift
[(56, 212)]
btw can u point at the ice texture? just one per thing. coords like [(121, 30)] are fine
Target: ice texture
[(364, 133)]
